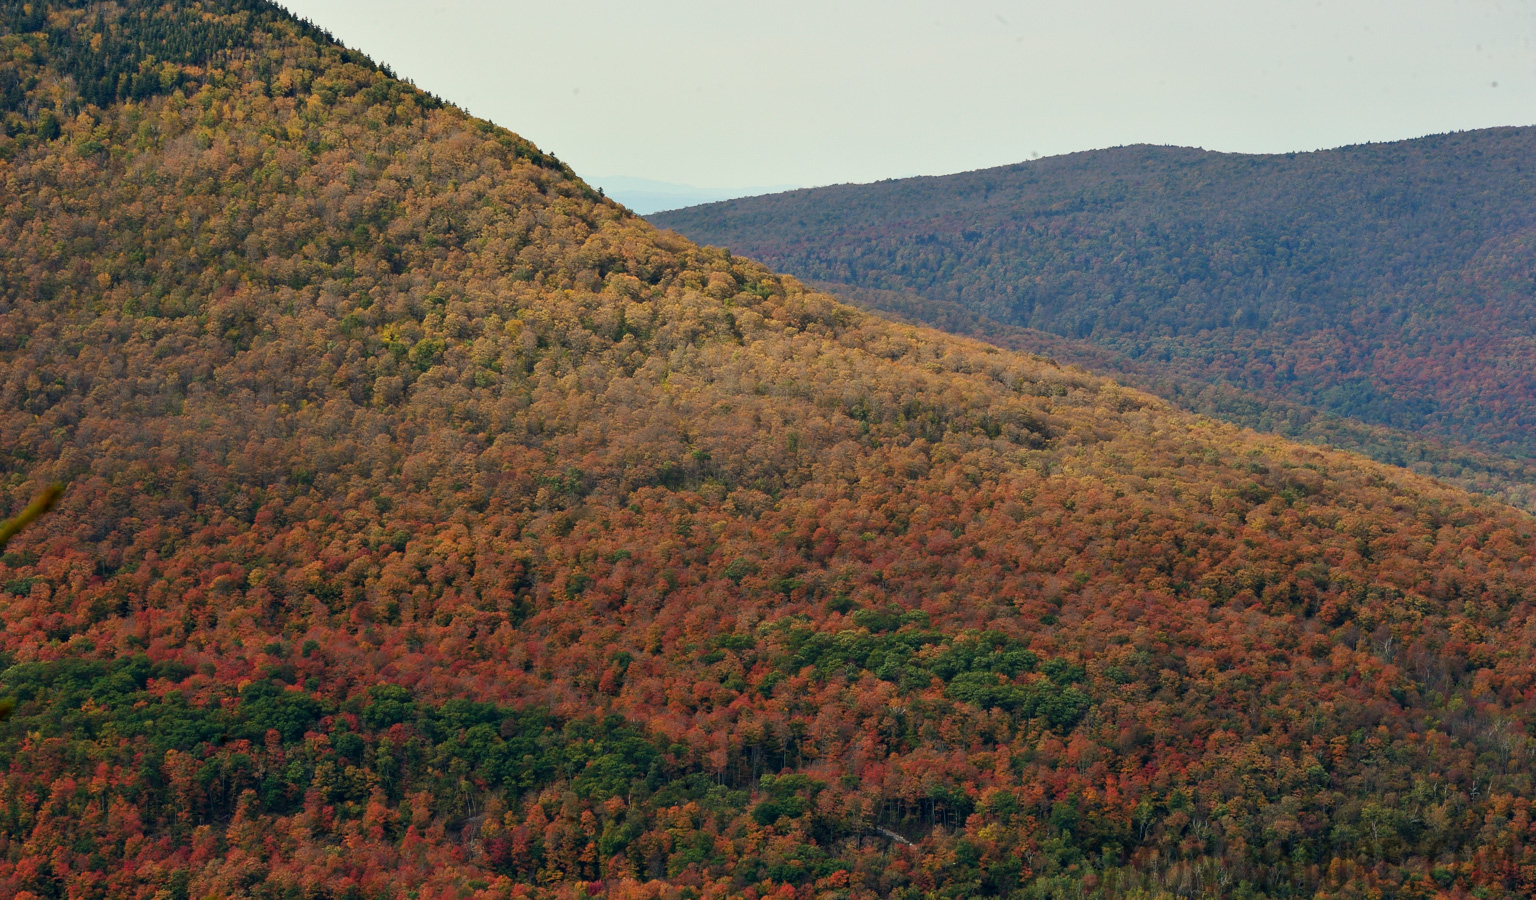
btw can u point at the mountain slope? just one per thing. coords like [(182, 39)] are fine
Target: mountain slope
[(1390, 283), (437, 527)]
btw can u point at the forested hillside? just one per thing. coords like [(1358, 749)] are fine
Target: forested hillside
[(1394, 284), (435, 527)]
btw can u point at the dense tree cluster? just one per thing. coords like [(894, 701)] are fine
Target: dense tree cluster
[(110, 52), (1388, 283), (436, 527)]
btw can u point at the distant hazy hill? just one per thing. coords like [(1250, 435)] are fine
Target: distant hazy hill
[(1391, 283), (437, 528), (646, 196)]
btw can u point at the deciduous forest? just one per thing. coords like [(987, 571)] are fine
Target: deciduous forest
[(435, 527)]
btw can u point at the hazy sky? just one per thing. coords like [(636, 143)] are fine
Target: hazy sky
[(732, 94)]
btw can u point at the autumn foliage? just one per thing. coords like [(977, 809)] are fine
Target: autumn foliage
[(437, 528)]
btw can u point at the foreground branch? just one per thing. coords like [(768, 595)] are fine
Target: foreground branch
[(37, 507)]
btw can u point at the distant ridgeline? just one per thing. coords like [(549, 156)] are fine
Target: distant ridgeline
[(1394, 284), (437, 528)]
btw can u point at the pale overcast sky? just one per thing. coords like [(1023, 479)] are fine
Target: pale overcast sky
[(733, 94)]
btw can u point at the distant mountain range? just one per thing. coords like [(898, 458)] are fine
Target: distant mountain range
[(1392, 284), (645, 196)]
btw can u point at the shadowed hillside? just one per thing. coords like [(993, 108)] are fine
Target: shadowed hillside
[(1393, 284), (435, 528)]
